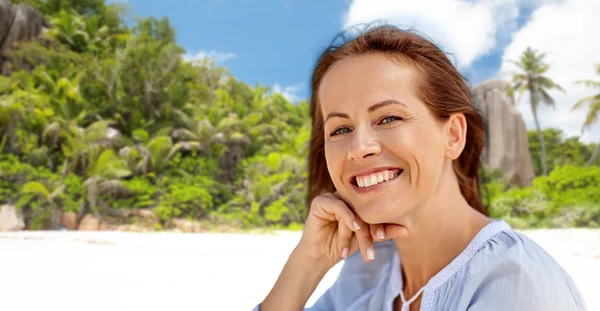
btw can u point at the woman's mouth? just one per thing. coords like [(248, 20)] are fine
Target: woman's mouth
[(372, 181)]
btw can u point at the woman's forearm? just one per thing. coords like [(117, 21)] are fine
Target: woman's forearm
[(296, 283)]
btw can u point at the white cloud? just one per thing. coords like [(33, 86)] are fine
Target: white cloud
[(290, 92), (466, 29), (218, 57), (567, 32)]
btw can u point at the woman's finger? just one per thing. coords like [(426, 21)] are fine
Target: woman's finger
[(333, 209), (377, 232), (365, 242), (393, 231), (384, 232), (344, 237)]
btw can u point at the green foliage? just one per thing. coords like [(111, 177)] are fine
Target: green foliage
[(14, 174), (72, 198), (568, 197), (129, 118), (37, 191), (81, 34), (144, 193), (491, 185), (184, 199), (51, 7), (561, 151)]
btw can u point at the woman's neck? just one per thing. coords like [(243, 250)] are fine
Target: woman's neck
[(439, 231)]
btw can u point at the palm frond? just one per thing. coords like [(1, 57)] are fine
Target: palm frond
[(581, 102), (34, 187), (589, 83), (592, 115), (546, 83), (547, 99), (541, 69)]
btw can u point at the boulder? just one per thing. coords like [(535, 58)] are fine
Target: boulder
[(18, 22), (105, 226), (145, 213), (506, 143), (89, 223), (185, 225), (11, 219), (68, 220)]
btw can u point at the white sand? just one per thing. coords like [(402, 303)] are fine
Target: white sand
[(112, 271)]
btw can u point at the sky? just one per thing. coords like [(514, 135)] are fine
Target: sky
[(276, 43)]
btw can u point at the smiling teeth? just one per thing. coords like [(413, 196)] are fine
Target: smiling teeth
[(376, 178)]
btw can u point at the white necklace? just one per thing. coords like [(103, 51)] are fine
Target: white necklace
[(406, 304)]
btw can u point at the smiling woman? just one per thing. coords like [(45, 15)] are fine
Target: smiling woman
[(394, 156)]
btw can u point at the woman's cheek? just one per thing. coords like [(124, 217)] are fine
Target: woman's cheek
[(334, 154)]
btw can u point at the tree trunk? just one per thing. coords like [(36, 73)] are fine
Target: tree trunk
[(539, 130), (594, 155)]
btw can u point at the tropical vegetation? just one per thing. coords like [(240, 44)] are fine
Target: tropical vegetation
[(593, 112), (531, 79), (99, 117)]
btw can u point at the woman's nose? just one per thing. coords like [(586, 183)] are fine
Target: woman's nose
[(364, 144)]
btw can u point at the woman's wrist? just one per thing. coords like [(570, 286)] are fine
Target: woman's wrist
[(300, 277), (316, 263)]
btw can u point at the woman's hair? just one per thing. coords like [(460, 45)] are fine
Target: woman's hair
[(439, 85)]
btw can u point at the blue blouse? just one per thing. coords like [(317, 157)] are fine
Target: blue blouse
[(500, 269)]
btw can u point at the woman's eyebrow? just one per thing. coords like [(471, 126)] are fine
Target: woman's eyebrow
[(371, 109), (338, 115), (385, 103)]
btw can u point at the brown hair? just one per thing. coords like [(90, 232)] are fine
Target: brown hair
[(439, 85)]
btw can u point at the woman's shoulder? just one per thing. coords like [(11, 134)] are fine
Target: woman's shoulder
[(510, 264), (511, 248)]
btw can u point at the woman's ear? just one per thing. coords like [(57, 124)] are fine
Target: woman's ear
[(456, 135)]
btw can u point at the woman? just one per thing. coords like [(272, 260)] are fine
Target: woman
[(394, 156)]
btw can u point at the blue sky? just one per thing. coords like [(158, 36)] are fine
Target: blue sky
[(267, 41), (276, 42)]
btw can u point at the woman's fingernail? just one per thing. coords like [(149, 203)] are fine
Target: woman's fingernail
[(345, 253), (355, 224), (370, 253), (380, 234)]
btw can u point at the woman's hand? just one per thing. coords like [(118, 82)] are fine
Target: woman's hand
[(333, 232)]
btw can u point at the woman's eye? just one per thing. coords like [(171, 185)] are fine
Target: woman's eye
[(341, 130), (389, 119)]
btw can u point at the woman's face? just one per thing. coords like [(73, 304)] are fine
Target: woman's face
[(385, 151)]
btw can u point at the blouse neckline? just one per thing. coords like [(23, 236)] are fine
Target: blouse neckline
[(452, 268)]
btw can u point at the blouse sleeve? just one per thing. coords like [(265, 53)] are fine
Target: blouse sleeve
[(354, 280), (324, 303), (520, 277)]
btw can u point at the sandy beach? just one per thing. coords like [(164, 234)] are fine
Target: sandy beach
[(174, 271)]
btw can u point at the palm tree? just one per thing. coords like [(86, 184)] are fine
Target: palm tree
[(103, 176), (531, 79), (201, 135), (80, 145), (69, 28), (37, 201), (12, 114), (81, 33), (594, 109), (19, 97)]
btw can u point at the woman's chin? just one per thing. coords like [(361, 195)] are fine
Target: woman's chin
[(374, 215), (380, 211)]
